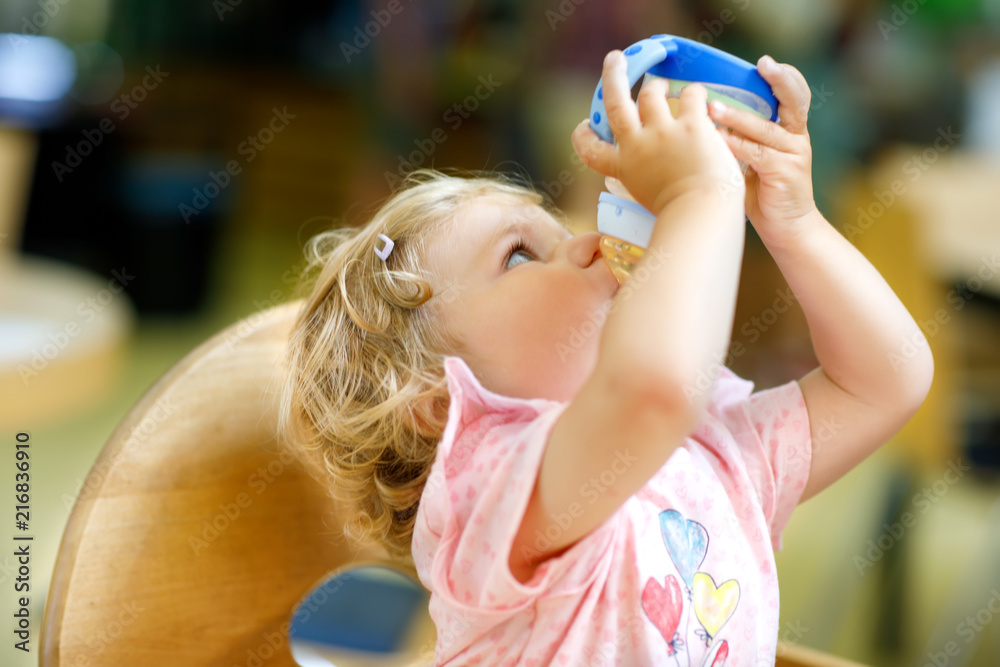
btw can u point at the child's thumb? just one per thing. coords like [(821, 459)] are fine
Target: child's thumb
[(596, 153)]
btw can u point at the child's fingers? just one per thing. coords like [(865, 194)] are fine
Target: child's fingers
[(596, 153), (792, 91), (752, 153), (623, 116), (692, 100), (752, 126), (652, 102)]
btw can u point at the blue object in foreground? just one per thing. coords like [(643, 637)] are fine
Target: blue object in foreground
[(359, 611)]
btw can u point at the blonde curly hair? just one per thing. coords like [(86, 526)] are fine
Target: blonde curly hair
[(364, 400)]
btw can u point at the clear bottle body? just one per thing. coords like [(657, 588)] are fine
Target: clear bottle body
[(621, 256)]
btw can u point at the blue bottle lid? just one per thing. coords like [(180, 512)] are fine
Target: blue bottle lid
[(674, 57)]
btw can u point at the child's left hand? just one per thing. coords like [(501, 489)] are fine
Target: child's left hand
[(779, 192)]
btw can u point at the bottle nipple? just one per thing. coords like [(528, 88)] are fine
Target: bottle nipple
[(615, 187)]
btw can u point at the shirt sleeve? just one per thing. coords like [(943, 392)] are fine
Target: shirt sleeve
[(771, 428), (476, 496)]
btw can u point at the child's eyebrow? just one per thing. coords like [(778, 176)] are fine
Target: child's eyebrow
[(521, 225), (501, 232)]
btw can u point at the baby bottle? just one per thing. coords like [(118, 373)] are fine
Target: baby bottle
[(624, 224), (625, 228)]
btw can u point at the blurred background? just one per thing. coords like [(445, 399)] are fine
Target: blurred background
[(161, 165)]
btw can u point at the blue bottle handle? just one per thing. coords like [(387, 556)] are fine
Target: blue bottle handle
[(680, 58), (672, 58)]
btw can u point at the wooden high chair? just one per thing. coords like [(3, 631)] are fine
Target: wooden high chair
[(193, 539)]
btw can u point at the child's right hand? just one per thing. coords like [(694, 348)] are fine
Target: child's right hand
[(659, 157)]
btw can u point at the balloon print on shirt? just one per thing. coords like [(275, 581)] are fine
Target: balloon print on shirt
[(721, 654), (662, 605), (713, 605)]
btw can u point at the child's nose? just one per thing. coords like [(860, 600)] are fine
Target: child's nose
[(584, 249)]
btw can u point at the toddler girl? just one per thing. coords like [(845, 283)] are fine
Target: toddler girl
[(483, 397)]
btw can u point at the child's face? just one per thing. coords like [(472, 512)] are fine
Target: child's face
[(529, 323)]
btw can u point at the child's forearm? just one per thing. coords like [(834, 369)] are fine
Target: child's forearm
[(674, 317), (863, 336)]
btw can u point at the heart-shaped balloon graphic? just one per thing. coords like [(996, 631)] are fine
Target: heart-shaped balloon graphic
[(662, 605), (686, 542), (714, 605), (720, 656)]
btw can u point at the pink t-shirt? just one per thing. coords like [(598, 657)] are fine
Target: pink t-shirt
[(682, 574)]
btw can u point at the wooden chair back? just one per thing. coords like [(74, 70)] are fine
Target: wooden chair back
[(194, 535)]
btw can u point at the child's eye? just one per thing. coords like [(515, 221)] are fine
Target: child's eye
[(519, 247)]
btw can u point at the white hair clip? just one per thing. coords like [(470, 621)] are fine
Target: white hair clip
[(386, 249)]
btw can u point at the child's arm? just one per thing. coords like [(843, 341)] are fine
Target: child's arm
[(660, 324), (662, 329), (870, 381)]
